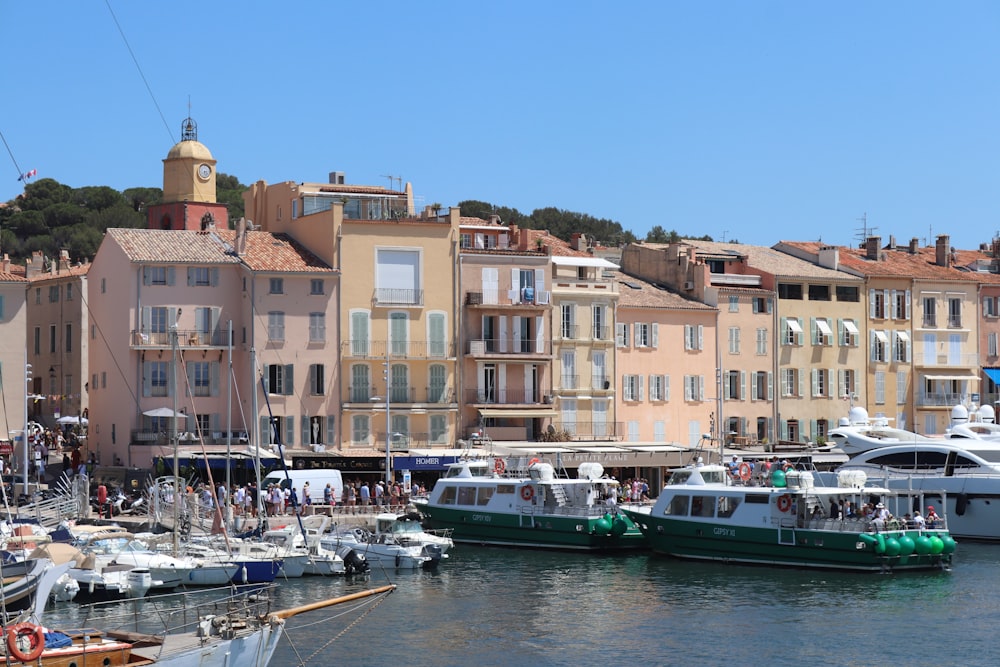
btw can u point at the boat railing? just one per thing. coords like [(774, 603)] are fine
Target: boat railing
[(590, 511)]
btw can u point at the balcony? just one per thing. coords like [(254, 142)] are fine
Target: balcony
[(398, 349), (186, 338), (385, 296), (502, 396), (507, 298), (401, 395), (569, 381), (940, 399), (591, 430), (602, 334), (569, 332), (487, 347), (940, 357)]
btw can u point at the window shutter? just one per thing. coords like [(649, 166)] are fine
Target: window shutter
[(635, 335), (770, 303), (871, 304), (687, 336), (726, 385), (815, 382), (831, 390), (515, 285), (289, 431), (266, 378), (214, 378), (812, 330), (784, 429), (190, 275), (802, 383), (701, 337), (907, 304), (656, 334), (743, 385), (265, 430), (170, 275), (756, 309), (539, 280), (701, 387), (539, 334), (331, 430), (753, 386), (770, 385), (305, 430), (666, 387)]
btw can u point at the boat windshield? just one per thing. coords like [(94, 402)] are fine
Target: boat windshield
[(406, 527)]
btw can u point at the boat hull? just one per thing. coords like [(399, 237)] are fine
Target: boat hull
[(256, 571), (783, 545), (537, 531)]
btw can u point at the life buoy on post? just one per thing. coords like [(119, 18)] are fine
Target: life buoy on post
[(784, 502), (35, 637), (499, 467), (527, 493), (744, 471)]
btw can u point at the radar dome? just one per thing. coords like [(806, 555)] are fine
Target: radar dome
[(858, 415), (987, 414), (959, 414)]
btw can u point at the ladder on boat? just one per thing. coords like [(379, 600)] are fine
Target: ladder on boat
[(559, 493)]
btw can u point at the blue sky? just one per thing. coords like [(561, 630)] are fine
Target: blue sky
[(758, 121)]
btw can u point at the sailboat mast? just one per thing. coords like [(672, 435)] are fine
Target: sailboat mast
[(227, 518), (255, 429), (177, 489)]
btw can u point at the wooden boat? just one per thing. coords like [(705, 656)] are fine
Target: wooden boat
[(703, 513), (522, 503), (242, 631)]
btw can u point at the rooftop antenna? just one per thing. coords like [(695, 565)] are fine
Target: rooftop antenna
[(393, 179), (865, 231), (724, 232)]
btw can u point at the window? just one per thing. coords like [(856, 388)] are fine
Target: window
[(438, 384), (599, 317), (732, 385), (734, 340), (52, 339), (201, 381), (276, 286), (991, 344), (569, 377), (631, 387), (38, 295), (69, 291), (359, 332), (658, 387), (694, 388), (930, 312), (900, 304), (761, 341), (54, 294), (734, 303), (316, 286), (847, 333), (876, 304), (317, 379), (901, 346), (847, 293), (621, 334), (879, 342), (693, 336), (761, 386), (199, 276), (568, 321), (821, 332), (276, 326), (821, 382), (278, 379), (761, 304), (317, 327), (879, 387), (900, 391), (157, 275), (38, 340), (439, 429), (397, 277), (157, 378), (954, 312), (848, 383), (819, 292), (791, 331), (360, 428), (789, 382), (360, 388), (646, 335), (790, 291)]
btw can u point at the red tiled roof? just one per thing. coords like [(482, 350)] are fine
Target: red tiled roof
[(638, 293)]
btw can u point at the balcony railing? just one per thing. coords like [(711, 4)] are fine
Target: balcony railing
[(401, 442), (942, 357), (569, 381), (940, 399), (499, 297), (385, 296), (185, 338), (367, 394), (602, 333), (503, 396), (491, 346), (401, 349), (579, 430), (569, 331)]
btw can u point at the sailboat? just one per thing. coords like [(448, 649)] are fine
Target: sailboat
[(238, 630)]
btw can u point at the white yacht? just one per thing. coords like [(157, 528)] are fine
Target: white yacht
[(858, 433), (962, 475)]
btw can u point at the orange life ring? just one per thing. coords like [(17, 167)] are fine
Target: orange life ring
[(784, 503), (35, 636), (527, 493), (533, 462), (744, 471), (499, 467)]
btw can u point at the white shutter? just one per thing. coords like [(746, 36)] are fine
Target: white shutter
[(503, 333), (802, 383), (753, 386), (539, 334), (501, 383), (726, 385), (515, 285), (642, 391), (539, 281), (770, 385), (656, 334), (815, 381), (743, 385), (666, 387), (907, 304), (871, 304), (701, 387), (637, 339), (687, 336), (701, 337)]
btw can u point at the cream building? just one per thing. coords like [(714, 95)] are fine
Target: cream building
[(17, 378)]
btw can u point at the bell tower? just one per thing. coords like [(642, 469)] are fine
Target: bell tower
[(189, 200)]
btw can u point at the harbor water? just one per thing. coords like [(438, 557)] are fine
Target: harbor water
[(514, 607)]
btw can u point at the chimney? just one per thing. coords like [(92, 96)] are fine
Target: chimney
[(914, 245), (892, 242), (6, 263), (241, 237), (872, 245), (829, 257), (494, 219), (942, 256), (35, 264), (63, 260), (995, 248)]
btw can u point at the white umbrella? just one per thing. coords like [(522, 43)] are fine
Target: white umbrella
[(71, 420), (162, 412)]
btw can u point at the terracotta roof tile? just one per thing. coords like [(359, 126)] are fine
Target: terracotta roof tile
[(766, 259), (638, 293)]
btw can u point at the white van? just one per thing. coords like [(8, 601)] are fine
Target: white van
[(317, 478)]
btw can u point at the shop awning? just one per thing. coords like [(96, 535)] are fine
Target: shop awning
[(993, 374), (522, 412), (952, 377)]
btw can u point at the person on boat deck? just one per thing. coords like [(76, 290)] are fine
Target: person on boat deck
[(932, 517), (918, 520), (817, 512), (908, 521), (734, 466), (849, 510), (834, 509)]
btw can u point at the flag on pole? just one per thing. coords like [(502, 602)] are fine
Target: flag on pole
[(28, 174)]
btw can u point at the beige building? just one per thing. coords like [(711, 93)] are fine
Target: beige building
[(58, 344), (396, 303), (666, 359), (17, 378), (506, 370)]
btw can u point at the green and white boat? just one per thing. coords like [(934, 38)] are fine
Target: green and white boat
[(521, 502), (706, 513)]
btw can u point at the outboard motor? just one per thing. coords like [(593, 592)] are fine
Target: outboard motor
[(434, 552), (355, 563)]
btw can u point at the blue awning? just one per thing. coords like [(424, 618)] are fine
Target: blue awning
[(993, 373)]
